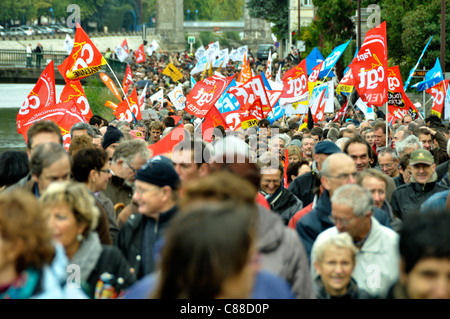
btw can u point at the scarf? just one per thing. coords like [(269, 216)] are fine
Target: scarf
[(88, 255), (23, 286)]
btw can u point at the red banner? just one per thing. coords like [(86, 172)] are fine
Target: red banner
[(369, 67), (168, 142), (140, 54), (42, 95), (128, 79), (124, 46), (205, 94), (84, 60), (246, 71), (110, 85), (125, 110), (438, 92), (74, 91), (398, 102), (295, 84), (212, 119), (64, 114)]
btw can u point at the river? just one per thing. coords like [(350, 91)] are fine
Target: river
[(12, 97)]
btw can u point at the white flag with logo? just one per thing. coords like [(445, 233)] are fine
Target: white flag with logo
[(222, 60), (177, 97), (152, 47), (200, 52), (367, 110), (121, 54), (214, 47), (157, 97), (238, 54), (68, 44)]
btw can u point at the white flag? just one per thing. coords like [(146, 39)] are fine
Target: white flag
[(157, 97), (121, 54), (367, 110), (214, 47), (177, 97), (238, 54), (68, 44), (268, 73), (278, 77), (152, 47), (222, 60), (200, 52), (142, 98)]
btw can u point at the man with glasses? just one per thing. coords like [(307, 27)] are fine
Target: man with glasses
[(156, 195), (388, 161), (377, 260), (127, 159)]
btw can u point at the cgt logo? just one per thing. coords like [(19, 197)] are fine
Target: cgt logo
[(371, 78), (297, 85), (393, 83), (204, 97)]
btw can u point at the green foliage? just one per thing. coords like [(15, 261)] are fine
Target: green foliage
[(97, 94), (275, 11), (214, 10)]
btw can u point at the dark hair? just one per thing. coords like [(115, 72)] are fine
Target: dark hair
[(264, 123), (45, 155), (293, 168), (424, 235), (169, 121), (13, 167), (97, 119), (358, 139), (404, 161), (205, 245), (86, 160), (43, 126)]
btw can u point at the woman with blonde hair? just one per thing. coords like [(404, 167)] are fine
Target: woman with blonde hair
[(73, 216)]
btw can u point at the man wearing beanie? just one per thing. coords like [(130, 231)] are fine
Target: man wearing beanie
[(111, 140), (156, 192)]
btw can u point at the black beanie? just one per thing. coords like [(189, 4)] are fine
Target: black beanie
[(112, 135), (159, 171)]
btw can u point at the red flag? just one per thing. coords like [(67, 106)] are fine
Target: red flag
[(205, 94), (110, 85), (84, 60), (168, 142), (399, 103), (124, 46), (315, 72), (318, 107), (369, 67), (74, 91), (295, 84), (246, 71), (233, 119), (128, 79), (140, 54), (212, 119), (64, 114), (438, 92), (125, 110), (41, 96), (342, 112)]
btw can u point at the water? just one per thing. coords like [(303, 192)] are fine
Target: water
[(11, 99)]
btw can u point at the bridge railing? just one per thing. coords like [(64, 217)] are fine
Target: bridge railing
[(18, 59)]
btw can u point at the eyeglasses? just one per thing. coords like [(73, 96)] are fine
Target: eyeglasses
[(385, 165), (132, 168), (106, 171), (344, 176), (341, 221)]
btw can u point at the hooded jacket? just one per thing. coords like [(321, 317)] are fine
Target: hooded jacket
[(284, 203)]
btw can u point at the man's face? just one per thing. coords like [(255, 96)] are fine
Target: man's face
[(358, 152), (320, 158), (426, 141), (97, 141), (59, 171), (399, 136), (370, 137), (380, 138), (148, 198), (185, 166), (335, 269), (42, 138), (308, 146), (155, 135), (422, 172), (405, 173), (277, 147), (429, 279), (377, 188), (128, 170), (346, 221), (343, 172), (407, 119), (388, 165), (315, 138), (270, 180)]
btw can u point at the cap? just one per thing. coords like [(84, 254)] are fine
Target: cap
[(159, 171), (137, 134), (421, 156), (112, 135), (327, 147)]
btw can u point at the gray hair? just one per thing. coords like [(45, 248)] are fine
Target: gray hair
[(390, 151), (128, 150), (340, 240), (45, 155), (82, 126), (355, 197), (283, 137), (333, 134), (410, 141)]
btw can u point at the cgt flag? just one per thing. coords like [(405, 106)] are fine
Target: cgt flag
[(399, 103), (369, 67), (140, 54), (40, 97), (84, 60), (212, 119), (128, 79), (74, 91), (129, 111), (295, 84), (439, 93)]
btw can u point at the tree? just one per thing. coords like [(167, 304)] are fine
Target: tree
[(275, 11)]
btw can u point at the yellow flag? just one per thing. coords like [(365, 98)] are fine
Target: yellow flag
[(173, 72)]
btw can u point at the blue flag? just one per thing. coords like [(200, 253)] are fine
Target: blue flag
[(228, 102), (277, 111), (432, 77), (313, 59), (331, 60), (415, 67)]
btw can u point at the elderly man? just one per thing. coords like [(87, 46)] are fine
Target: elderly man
[(399, 136), (337, 170), (304, 186), (80, 129), (308, 144), (128, 158), (408, 145), (388, 161), (156, 195), (377, 260), (407, 198)]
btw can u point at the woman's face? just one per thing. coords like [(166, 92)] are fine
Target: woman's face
[(64, 226), (103, 176)]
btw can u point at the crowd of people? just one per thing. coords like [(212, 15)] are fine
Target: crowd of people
[(348, 209)]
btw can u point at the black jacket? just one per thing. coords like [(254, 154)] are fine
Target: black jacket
[(284, 203), (353, 292), (129, 239), (407, 198), (304, 186)]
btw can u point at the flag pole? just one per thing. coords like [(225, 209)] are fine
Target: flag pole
[(120, 85)]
